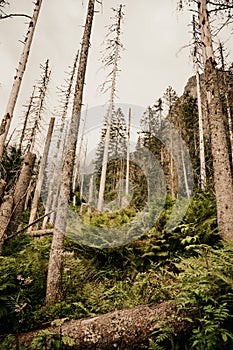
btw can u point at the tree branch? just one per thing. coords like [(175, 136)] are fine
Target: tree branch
[(14, 15)]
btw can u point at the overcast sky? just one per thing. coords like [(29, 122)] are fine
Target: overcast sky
[(153, 34)]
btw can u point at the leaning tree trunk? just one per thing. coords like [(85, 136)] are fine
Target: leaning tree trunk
[(53, 291), (125, 329), (221, 162), (20, 192), (39, 183), (5, 126)]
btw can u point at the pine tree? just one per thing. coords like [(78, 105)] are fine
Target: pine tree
[(116, 152)]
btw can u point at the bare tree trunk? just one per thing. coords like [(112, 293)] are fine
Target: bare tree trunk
[(61, 136), (20, 192), (128, 155), (39, 183), (91, 191), (2, 189), (26, 118), (110, 112), (5, 126), (200, 116), (201, 135), (222, 173), (53, 291), (78, 160), (206, 37), (5, 215), (127, 329), (228, 106)]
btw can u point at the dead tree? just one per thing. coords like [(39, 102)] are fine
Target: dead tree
[(2, 189), (13, 206), (114, 45), (39, 106), (78, 159), (40, 178), (226, 95), (53, 291), (6, 121), (54, 182), (200, 115), (128, 155), (5, 215), (29, 108), (221, 163)]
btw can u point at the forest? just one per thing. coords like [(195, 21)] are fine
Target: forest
[(116, 221)]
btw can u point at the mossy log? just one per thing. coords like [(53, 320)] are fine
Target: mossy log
[(124, 329)]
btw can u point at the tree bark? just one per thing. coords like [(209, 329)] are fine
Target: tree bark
[(221, 163), (5, 126), (5, 215), (200, 114), (55, 259), (125, 329), (128, 155), (20, 192), (2, 189)]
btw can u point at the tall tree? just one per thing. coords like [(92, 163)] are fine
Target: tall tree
[(53, 291), (56, 167), (200, 115), (222, 172), (114, 45), (226, 97), (6, 121), (128, 155)]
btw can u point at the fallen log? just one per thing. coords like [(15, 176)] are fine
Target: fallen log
[(124, 329), (40, 233)]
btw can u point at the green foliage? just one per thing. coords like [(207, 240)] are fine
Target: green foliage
[(48, 340), (10, 166), (190, 265), (9, 343), (18, 296)]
